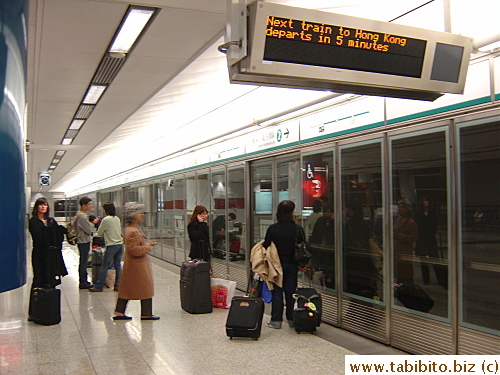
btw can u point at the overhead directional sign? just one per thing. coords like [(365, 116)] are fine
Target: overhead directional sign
[(273, 136), (304, 48)]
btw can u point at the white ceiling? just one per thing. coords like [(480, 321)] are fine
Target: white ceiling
[(66, 41), (171, 92)]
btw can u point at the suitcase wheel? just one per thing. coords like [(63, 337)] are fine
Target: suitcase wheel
[(230, 337)]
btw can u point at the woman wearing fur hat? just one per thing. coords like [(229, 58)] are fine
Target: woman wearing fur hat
[(137, 279)]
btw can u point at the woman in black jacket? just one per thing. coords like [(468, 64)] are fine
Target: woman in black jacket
[(46, 257), (285, 235), (199, 234)]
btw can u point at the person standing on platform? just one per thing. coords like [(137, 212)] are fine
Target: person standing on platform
[(315, 215), (426, 247), (83, 228), (284, 235), (111, 229), (199, 234), (137, 278), (405, 235), (46, 257)]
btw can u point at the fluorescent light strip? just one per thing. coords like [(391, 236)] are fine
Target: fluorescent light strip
[(136, 20), (60, 153), (490, 47), (93, 94), (67, 141), (76, 124)]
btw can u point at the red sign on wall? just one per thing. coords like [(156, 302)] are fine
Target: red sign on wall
[(314, 183)]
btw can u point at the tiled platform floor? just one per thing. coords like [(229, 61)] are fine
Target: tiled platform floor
[(88, 341)]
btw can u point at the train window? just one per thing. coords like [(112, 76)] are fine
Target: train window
[(218, 216), (363, 222), (479, 232), (236, 216), (420, 218), (318, 217)]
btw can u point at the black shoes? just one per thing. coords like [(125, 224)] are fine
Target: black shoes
[(94, 289), (85, 286), (152, 317), (122, 317), (126, 317)]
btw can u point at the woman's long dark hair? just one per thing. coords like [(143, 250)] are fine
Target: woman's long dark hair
[(199, 209), (39, 202), (285, 212)]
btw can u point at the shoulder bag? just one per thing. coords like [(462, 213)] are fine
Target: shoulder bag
[(302, 249)]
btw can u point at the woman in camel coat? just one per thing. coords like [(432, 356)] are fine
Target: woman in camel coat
[(137, 279)]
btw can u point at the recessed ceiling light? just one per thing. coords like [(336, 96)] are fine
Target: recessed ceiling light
[(60, 153), (93, 94), (67, 141), (76, 124), (135, 21)]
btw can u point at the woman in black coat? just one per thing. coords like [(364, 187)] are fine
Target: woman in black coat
[(285, 233), (199, 234), (46, 257)]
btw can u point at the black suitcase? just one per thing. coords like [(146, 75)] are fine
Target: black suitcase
[(195, 289), (245, 317), (98, 241), (46, 306), (96, 263), (414, 297), (307, 310)]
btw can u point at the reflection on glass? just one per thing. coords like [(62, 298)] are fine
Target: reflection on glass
[(318, 218), (180, 221), (236, 217), (218, 218), (480, 226), (261, 204), (362, 221), (419, 214), (167, 221)]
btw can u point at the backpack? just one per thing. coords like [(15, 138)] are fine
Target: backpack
[(71, 236)]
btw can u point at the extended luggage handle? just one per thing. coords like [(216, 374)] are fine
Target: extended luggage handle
[(312, 308)]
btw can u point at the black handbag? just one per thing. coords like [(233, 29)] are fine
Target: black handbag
[(302, 250)]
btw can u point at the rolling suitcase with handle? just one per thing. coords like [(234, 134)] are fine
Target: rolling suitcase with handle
[(245, 317), (307, 310), (96, 263), (196, 297)]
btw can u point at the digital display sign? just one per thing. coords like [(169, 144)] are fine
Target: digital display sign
[(285, 46), (302, 42)]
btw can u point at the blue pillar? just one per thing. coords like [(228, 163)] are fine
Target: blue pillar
[(13, 63)]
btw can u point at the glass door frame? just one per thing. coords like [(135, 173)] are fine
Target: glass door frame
[(339, 219), (392, 136), (273, 162), (459, 124)]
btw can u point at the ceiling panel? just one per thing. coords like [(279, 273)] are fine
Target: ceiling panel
[(67, 40)]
